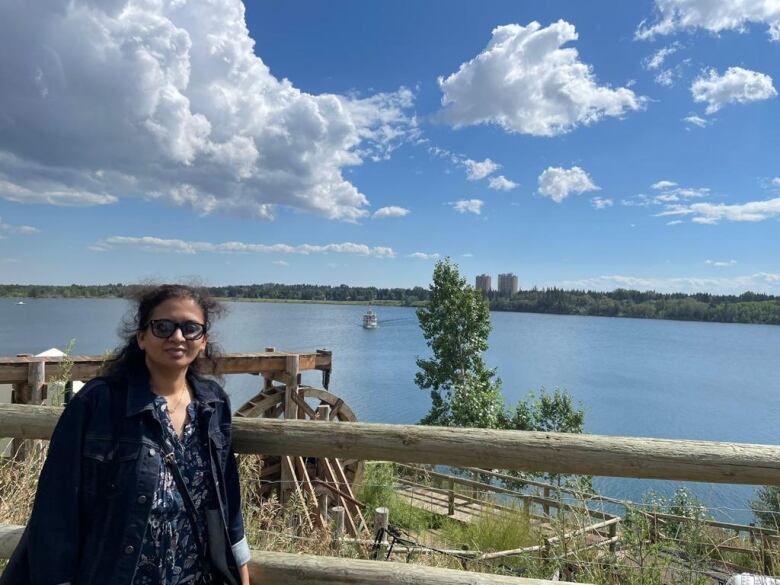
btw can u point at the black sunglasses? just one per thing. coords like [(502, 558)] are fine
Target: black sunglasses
[(164, 328)]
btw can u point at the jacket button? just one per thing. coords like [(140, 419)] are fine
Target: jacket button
[(152, 452), (129, 549), (141, 499)]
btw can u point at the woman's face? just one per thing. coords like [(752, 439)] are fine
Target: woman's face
[(174, 352)]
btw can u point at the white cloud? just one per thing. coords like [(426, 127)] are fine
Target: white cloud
[(476, 170), (656, 60), (168, 100), (712, 15), (558, 183), (720, 263), (468, 206), (501, 183), (391, 211), (526, 82), (601, 202), (467, 255), (736, 85), (697, 121), (153, 244), (52, 194), (711, 213), (280, 263), (776, 181), (757, 282), (663, 184), (424, 256), (20, 230), (675, 222)]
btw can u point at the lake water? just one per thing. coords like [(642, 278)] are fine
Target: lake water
[(662, 379)]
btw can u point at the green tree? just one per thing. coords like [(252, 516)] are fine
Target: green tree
[(456, 324), (766, 507)]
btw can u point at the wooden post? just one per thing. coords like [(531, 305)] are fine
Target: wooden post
[(290, 413), (338, 522), (323, 412), (268, 380), (451, 497), (21, 394), (612, 535), (382, 521), (36, 376), (546, 506), (475, 491)]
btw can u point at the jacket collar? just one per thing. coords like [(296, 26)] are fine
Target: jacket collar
[(140, 396)]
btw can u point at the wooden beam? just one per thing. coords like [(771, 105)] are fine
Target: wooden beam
[(85, 367), (708, 461), (278, 568)]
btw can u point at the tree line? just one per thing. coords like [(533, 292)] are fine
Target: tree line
[(748, 307)]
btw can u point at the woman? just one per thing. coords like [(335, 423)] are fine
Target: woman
[(140, 485)]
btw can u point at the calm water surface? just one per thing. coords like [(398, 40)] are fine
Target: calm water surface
[(663, 379)]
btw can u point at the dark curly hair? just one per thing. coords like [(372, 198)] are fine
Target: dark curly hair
[(130, 357)]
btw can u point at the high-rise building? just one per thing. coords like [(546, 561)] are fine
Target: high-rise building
[(483, 283), (507, 284)]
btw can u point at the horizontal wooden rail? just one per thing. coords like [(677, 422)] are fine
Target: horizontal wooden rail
[(14, 370), (278, 568), (735, 463)]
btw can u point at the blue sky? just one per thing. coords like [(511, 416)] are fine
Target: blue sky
[(595, 145)]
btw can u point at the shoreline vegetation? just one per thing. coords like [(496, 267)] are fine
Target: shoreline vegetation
[(748, 307)]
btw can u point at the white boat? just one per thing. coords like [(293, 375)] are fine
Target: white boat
[(370, 320), (20, 303)]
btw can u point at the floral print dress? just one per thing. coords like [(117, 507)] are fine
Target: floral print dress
[(169, 553)]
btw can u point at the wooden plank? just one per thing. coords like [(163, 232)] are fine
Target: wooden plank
[(279, 568), (348, 488), (308, 410), (289, 467), (710, 461), (331, 476), (85, 367), (300, 465)]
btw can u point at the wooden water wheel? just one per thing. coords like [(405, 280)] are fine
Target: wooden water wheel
[(328, 481)]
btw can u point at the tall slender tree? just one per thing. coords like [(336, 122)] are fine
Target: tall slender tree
[(456, 325)]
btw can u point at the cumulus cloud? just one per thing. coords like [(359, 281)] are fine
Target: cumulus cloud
[(558, 183), (476, 170), (720, 263), (167, 100), (21, 230), (663, 184), (526, 82), (713, 213), (736, 85), (712, 15), (601, 202), (697, 121), (468, 206), (757, 282), (154, 244), (424, 256), (776, 181), (501, 183), (390, 211)]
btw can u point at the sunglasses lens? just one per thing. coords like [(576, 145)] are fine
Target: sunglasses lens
[(163, 327), (191, 330)]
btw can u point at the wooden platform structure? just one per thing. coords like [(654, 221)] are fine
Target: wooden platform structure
[(316, 481)]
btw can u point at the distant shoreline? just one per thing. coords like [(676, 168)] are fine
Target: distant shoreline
[(769, 314)]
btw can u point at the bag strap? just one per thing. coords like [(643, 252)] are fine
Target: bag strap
[(170, 460)]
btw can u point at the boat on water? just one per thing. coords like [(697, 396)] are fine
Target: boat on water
[(370, 320), (20, 303)]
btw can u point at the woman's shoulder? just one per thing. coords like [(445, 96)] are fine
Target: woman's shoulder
[(96, 390)]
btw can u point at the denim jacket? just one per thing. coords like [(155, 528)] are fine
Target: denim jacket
[(96, 487)]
